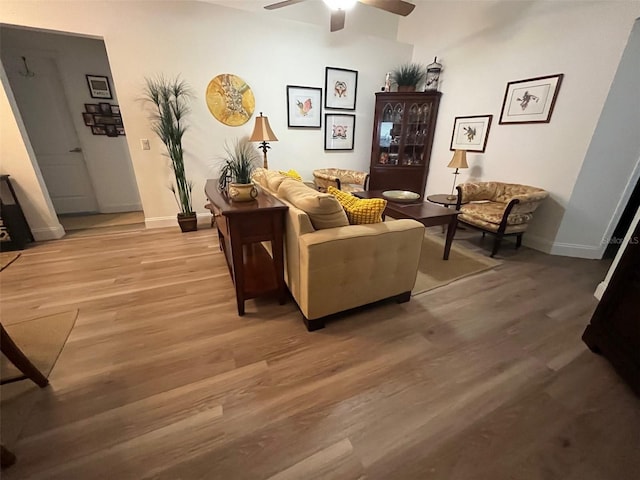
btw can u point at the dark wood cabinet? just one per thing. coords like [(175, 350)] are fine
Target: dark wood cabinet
[(403, 130), (614, 329)]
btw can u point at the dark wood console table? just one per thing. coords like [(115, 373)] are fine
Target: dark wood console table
[(241, 227)]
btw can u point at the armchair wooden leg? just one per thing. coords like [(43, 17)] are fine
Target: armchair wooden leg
[(19, 359), (518, 241), (496, 244)]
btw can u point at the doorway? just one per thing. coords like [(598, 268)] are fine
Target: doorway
[(88, 176)]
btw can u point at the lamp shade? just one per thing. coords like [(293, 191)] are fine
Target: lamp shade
[(459, 159), (262, 131)]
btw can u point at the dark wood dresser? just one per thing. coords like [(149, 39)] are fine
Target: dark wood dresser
[(614, 330), (242, 226)]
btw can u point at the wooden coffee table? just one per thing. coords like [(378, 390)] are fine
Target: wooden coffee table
[(426, 213)]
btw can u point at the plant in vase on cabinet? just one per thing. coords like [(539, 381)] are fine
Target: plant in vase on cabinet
[(170, 98), (235, 175), (408, 76)]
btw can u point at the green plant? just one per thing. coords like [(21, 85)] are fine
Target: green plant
[(239, 163), (170, 98), (409, 74)]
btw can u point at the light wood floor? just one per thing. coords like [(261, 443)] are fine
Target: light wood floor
[(486, 378)]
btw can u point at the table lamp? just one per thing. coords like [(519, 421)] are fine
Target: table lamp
[(459, 160), (262, 133)]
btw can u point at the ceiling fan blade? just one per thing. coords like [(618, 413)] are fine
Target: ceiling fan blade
[(285, 3), (337, 20), (399, 7)]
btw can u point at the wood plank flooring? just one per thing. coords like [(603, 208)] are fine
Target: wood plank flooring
[(486, 378)]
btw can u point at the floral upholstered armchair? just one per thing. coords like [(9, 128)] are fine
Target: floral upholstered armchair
[(342, 179), (498, 208)]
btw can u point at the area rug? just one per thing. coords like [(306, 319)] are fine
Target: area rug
[(41, 340), (435, 272), (7, 258)]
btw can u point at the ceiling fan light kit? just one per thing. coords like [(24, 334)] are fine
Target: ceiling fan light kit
[(339, 7)]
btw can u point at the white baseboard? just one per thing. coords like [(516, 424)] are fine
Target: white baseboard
[(48, 233), (125, 207), (602, 286), (204, 219), (578, 251)]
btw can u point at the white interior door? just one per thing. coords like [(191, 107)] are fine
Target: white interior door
[(42, 103)]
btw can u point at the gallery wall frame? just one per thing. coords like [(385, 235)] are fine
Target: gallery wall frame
[(99, 86), (339, 131), (531, 100), (471, 133), (304, 106), (340, 88)]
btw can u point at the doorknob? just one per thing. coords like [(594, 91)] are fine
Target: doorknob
[(75, 150)]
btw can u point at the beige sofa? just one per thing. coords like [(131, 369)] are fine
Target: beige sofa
[(328, 268)]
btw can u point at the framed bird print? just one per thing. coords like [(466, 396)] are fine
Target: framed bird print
[(471, 133), (340, 88), (531, 100), (304, 106), (339, 130)]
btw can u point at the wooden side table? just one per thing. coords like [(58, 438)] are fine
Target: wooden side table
[(443, 199), (241, 227)]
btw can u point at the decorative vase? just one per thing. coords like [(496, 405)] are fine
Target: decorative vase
[(406, 88), (188, 222), (242, 192)]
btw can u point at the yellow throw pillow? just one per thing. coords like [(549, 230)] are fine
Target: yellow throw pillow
[(291, 173), (360, 211)]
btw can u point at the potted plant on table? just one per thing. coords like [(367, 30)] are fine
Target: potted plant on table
[(235, 175), (170, 99), (408, 76)]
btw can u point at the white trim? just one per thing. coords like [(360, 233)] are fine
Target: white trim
[(602, 286), (578, 251), (48, 233), (124, 207), (163, 222)]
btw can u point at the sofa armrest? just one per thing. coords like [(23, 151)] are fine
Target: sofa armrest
[(345, 267)]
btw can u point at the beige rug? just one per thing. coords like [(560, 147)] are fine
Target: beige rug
[(435, 272), (41, 340), (7, 258)]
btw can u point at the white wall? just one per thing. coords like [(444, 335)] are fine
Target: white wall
[(107, 158), (17, 159), (484, 45), (611, 167), (199, 41)]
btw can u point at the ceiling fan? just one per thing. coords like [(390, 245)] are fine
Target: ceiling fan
[(339, 7)]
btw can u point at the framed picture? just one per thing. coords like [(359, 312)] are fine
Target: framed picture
[(115, 110), (340, 88), (111, 130), (470, 133), (104, 120), (120, 131), (88, 119), (99, 86), (531, 100), (105, 108), (339, 130), (92, 108), (304, 106), (98, 130)]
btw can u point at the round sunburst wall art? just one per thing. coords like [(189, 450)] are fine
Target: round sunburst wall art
[(230, 99)]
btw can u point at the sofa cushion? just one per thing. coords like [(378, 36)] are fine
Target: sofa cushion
[(323, 209), (360, 211)]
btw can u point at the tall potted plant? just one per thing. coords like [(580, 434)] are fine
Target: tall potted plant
[(408, 76), (235, 175), (170, 98)]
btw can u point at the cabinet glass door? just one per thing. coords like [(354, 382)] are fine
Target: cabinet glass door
[(415, 134), (390, 134)]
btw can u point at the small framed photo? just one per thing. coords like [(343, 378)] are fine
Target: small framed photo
[(531, 100), (92, 108), (99, 86), (340, 88), (105, 108), (115, 110), (98, 130), (104, 120), (120, 131), (339, 131), (304, 106), (111, 130), (88, 119), (471, 133)]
